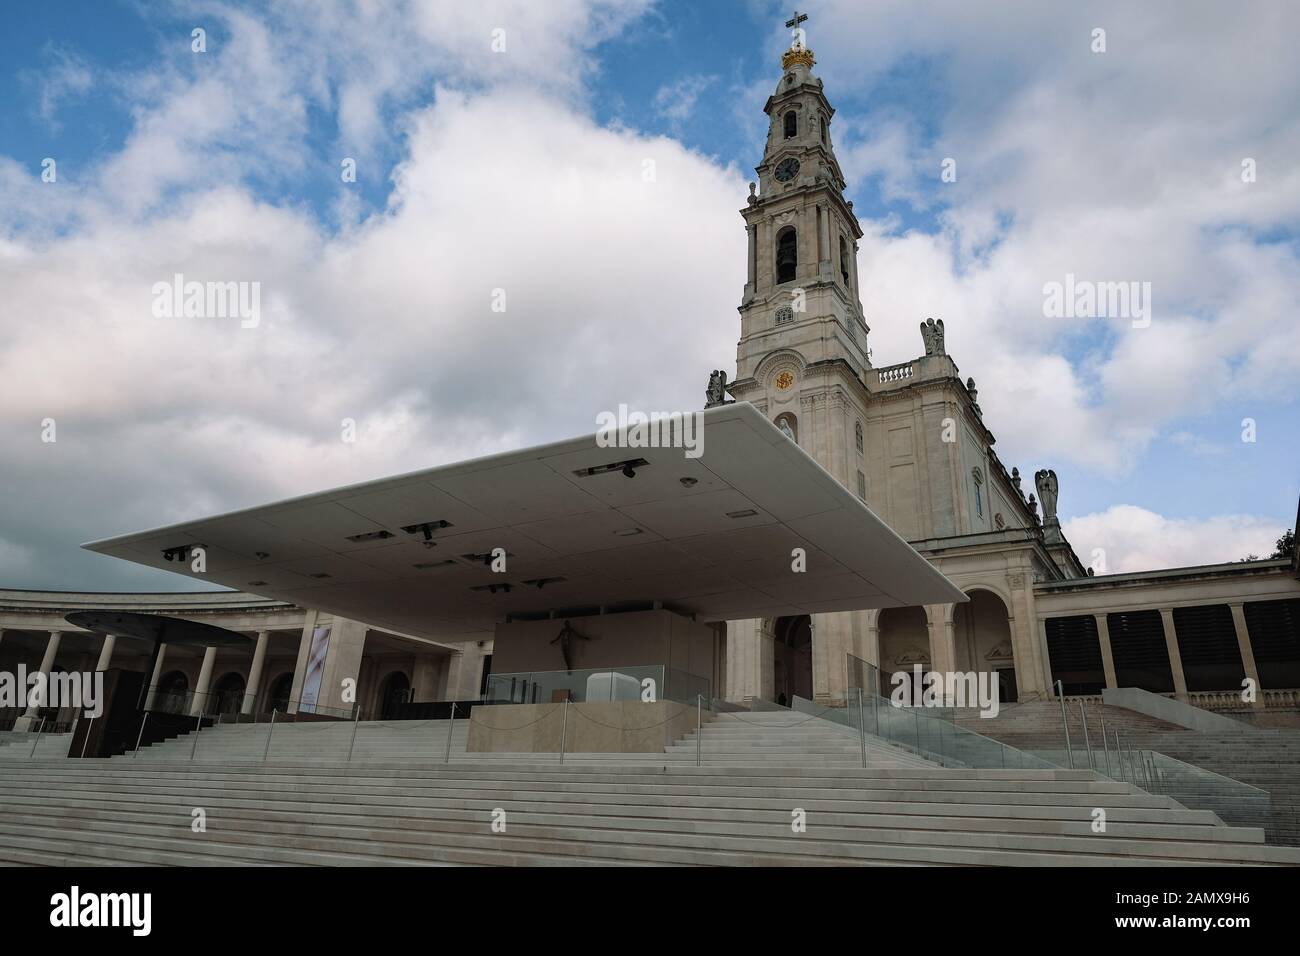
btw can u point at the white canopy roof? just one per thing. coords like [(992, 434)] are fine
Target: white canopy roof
[(710, 536)]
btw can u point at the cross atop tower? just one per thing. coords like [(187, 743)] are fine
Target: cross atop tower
[(800, 41)]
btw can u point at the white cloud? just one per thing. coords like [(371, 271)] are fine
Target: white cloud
[(1116, 166), (65, 75), (610, 281), (676, 102), (1135, 539)]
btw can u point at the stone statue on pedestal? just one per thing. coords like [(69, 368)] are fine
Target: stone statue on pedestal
[(716, 393), (932, 336), (1045, 482)]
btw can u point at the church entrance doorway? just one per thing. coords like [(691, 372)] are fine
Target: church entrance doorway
[(792, 668), (395, 691), (982, 640)]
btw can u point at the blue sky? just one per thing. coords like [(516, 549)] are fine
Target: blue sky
[(1116, 167)]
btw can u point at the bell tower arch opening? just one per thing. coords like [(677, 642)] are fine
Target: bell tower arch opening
[(787, 255)]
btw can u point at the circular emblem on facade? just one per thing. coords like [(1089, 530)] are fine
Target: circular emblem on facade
[(785, 380)]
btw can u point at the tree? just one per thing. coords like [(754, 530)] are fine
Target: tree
[(1285, 545)]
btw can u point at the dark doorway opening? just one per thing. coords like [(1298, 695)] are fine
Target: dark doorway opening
[(792, 658), (1007, 692), (278, 698), (173, 693), (228, 696), (395, 691)]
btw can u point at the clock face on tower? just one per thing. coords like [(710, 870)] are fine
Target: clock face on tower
[(787, 170)]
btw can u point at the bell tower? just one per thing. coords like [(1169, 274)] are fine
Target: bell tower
[(803, 337), (802, 359)]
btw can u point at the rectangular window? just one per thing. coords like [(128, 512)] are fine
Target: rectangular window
[(979, 501), (862, 486)]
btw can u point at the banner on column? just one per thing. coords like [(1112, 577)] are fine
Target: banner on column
[(320, 645)]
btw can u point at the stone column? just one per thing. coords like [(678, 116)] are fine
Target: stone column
[(1107, 657), (943, 643), (106, 652), (1028, 640), (749, 661), (853, 267), (304, 652), (200, 702), (29, 717), (255, 673), (454, 668), (872, 650), (825, 266), (1175, 657), (832, 633), (151, 689), (1247, 652), (806, 223), (752, 280)]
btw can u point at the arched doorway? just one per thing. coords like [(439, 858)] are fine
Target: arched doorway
[(792, 670), (278, 697), (173, 693), (982, 640), (395, 690), (904, 644), (228, 695)]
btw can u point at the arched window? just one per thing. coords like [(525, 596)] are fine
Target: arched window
[(787, 254), (857, 429), (791, 125), (844, 261)]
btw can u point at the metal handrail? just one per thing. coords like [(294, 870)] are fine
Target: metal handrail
[(1065, 723)]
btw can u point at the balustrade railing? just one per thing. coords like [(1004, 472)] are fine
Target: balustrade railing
[(895, 373)]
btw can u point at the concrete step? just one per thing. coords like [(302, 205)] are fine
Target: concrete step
[(398, 802), (571, 830)]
